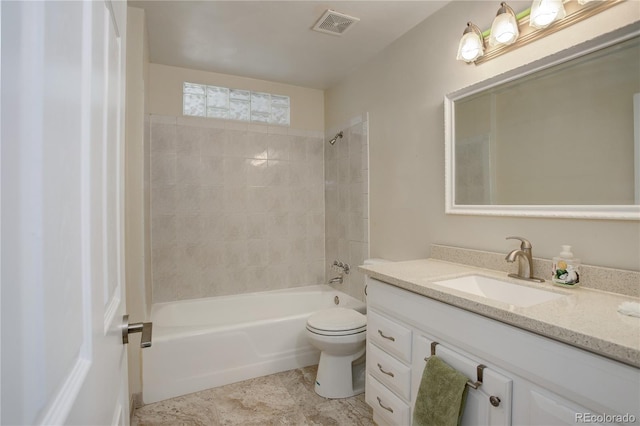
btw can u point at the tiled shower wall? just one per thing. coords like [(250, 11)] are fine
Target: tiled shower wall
[(347, 203), (235, 208)]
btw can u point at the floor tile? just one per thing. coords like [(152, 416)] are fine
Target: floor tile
[(285, 398)]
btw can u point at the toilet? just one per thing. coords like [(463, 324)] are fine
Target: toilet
[(340, 335)]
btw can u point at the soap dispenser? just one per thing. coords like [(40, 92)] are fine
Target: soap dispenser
[(566, 268)]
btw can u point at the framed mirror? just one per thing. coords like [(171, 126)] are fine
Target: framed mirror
[(558, 138)]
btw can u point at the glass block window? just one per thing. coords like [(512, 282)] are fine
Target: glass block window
[(193, 100), (200, 100), (240, 105)]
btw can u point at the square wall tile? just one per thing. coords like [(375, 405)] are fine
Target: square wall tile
[(235, 208)]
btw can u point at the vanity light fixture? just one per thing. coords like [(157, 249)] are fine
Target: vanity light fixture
[(545, 12), (471, 44), (510, 30), (504, 29)]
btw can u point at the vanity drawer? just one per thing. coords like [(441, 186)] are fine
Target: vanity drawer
[(384, 403), (392, 337), (389, 371)]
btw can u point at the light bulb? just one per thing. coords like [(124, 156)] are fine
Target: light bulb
[(471, 45), (545, 12), (504, 29)]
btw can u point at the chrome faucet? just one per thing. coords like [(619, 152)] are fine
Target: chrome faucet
[(525, 260), (344, 267), (336, 280)]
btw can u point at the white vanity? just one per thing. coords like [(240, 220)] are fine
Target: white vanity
[(527, 374)]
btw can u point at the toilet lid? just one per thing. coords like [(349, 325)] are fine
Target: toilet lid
[(337, 319)]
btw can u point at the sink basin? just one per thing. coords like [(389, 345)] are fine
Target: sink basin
[(499, 290)]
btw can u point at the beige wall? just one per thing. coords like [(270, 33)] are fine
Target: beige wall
[(165, 96), (403, 90), (137, 60)]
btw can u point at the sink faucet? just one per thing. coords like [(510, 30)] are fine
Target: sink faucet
[(525, 264)]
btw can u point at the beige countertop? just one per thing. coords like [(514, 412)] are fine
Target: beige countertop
[(586, 318)]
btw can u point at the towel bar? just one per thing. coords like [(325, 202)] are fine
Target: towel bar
[(479, 369)]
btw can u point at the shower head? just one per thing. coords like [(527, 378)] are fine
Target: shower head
[(335, 138)]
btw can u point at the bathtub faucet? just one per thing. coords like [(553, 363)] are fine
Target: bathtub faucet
[(336, 280), (342, 267)]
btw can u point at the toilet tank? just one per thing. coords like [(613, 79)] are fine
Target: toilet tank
[(373, 261)]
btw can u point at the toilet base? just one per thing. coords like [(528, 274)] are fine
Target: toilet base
[(340, 376)]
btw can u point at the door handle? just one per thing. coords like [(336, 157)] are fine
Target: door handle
[(138, 327)]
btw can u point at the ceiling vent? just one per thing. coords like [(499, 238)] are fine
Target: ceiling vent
[(335, 23)]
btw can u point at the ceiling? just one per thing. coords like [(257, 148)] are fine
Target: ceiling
[(273, 40)]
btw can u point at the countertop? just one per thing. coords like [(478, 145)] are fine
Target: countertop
[(586, 318)]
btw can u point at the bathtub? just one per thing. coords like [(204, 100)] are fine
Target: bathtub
[(203, 343)]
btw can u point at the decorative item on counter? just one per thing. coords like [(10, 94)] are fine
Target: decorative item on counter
[(566, 269)]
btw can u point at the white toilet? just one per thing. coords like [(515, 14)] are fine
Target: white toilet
[(340, 335)]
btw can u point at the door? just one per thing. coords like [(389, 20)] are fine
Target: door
[(63, 361)]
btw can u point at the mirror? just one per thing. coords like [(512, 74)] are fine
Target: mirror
[(559, 137)]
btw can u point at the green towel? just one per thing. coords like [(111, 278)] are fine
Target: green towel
[(441, 395)]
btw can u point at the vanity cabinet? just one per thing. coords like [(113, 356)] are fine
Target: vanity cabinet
[(396, 356), (527, 379)]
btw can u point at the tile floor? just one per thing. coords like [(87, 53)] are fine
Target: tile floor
[(280, 399)]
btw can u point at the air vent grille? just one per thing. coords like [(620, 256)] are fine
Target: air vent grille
[(335, 23)]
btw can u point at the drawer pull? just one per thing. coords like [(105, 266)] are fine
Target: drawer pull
[(388, 373), (393, 339), (389, 409)]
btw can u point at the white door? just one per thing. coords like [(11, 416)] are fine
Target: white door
[(63, 361)]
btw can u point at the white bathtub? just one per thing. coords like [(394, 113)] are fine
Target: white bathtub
[(204, 343)]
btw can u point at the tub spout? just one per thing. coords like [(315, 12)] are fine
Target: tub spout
[(336, 280)]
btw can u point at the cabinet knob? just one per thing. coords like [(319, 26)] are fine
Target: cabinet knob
[(494, 400)]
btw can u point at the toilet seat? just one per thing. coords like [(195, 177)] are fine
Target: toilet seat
[(337, 322)]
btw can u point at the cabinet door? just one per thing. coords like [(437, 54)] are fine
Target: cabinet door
[(478, 409), (547, 408)]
